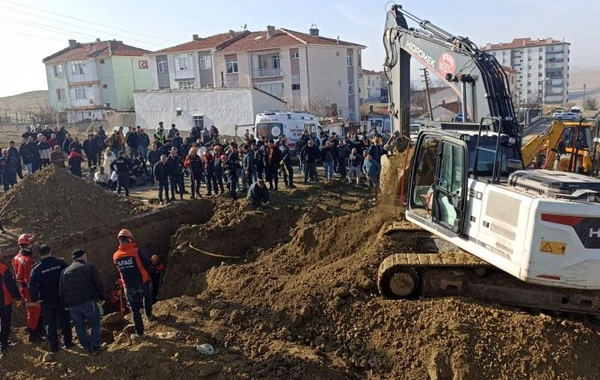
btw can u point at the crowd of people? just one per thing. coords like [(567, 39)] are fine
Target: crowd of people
[(131, 157), (56, 294)]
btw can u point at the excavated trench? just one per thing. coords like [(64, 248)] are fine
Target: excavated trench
[(152, 231)]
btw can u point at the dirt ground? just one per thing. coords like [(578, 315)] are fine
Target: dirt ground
[(292, 295)]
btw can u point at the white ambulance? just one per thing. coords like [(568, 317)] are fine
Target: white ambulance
[(273, 124)]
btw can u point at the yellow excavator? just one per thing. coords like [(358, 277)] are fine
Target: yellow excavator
[(564, 146)]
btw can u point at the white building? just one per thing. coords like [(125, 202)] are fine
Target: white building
[(371, 84), (303, 69), (542, 68), (222, 107)]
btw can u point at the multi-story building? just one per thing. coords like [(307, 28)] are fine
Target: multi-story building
[(371, 85), (305, 70), (542, 68), (85, 79)]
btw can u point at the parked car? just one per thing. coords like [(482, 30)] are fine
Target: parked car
[(459, 118), (569, 116), (414, 132), (557, 113)]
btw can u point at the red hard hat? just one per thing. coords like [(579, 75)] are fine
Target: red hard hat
[(125, 233), (25, 239)]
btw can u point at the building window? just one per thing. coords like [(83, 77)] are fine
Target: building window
[(58, 70), (101, 61), (529, 83), (61, 94), (529, 67), (184, 66), (162, 67), (198, 121), (104, 86), (295, 55), (186, 85), (80, 93), (351, 89), (205, 62), (295, 86), (539, 74), (76, 68), (275, 62), (541, 49), (232, 66), (349, 59)]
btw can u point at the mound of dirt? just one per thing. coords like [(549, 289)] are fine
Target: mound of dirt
[(53, 202)]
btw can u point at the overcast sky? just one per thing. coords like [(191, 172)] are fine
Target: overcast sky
[(33, 29)]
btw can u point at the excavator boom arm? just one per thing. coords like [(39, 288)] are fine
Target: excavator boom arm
[(475, 75)]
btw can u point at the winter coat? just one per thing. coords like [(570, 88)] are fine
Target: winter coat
[(80, 283), (371, 167)]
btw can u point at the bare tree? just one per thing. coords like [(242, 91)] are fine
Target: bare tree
[(318, 106), (591, 104), (130, 103)]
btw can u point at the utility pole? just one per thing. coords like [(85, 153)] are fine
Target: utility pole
[(583, 104), (425, 77)]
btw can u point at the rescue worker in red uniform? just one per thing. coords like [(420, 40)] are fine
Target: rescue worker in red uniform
[(22, 264), (134, 266), (157, 273), (118, 300), (8, 292)]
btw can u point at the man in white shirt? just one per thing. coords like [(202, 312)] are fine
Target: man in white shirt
[(101, 177)]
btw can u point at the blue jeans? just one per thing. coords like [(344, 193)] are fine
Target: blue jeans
[(29, 168), (89, 312), (144, 152), (328, 169), (138, 296)]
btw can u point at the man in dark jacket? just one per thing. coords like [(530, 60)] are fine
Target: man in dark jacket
[(74, 160), (8, 292), (258, 194), (80, 288), (91, 148), (175, 173), (144, 143), (300, 145), (134, 266), (44, 286), (133, 143), (286, 162), (248, 164), (122, 166), (356, 162), (8, 170), (343, 151), (26, 153), (310, 156), (233, 164), (161, 175), (328, 157), (272, 160), (157, 273), (13, 153)]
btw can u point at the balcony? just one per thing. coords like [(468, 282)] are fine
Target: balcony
[(267, 73)]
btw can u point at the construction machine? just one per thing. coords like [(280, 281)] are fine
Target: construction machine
[(563, 146), (480, 224)]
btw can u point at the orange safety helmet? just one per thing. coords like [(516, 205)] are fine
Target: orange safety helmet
[(25, 239), (125, 233)]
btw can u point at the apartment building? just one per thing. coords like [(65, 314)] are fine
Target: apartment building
[(371, 84), (85, 79), (542, 68), (303, 69)]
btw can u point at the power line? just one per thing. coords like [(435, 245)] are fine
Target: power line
[(48, 28), (86, 21), (77, 26), (29, 35)]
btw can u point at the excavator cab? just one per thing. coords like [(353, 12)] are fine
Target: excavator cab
[(438, 188)]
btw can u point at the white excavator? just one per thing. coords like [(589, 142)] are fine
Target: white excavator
[(493, 231)]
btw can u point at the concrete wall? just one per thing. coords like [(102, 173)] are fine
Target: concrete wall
[(223, 108), (54, 83)]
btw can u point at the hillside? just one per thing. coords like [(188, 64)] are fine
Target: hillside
[(27, 101)]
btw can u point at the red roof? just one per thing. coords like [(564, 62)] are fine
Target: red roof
[(95, 50), (211, 42), (522, 42), (280, 38)]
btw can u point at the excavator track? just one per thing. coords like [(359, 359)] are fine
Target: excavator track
[(431, 267)]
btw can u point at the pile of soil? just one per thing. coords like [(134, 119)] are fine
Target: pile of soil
[(52, 202)]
